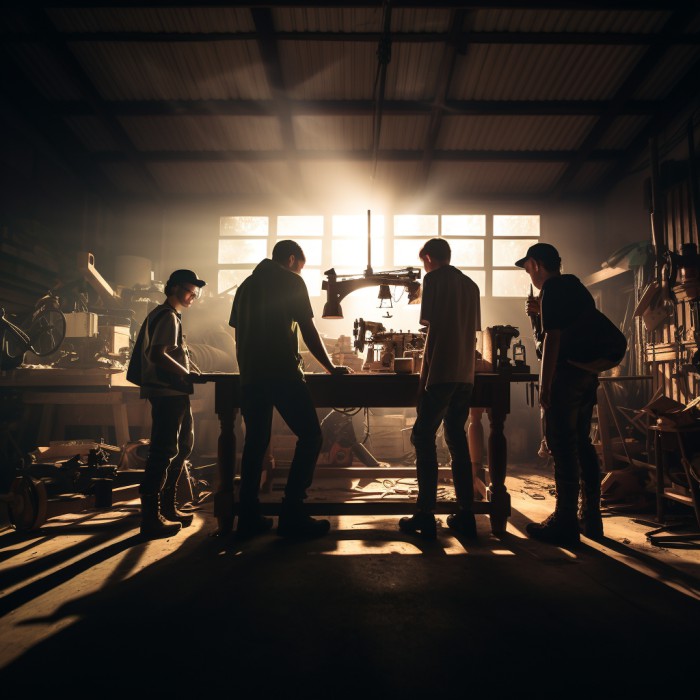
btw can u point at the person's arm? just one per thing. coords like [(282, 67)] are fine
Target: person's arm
[(550, 353), (313, 341), (159, 356)]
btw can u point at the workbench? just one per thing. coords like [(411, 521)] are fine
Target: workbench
[(71, 388), (491, 391)]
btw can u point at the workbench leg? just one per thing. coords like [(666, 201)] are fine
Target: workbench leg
[(45, 425), (121, 424), (498, 457), (226, 469), (475, 436)]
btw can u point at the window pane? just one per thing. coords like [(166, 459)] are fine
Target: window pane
[(505, 253), (416, 225), (406, 253), (466, 253), (516, 225), (464, 225), (511, 283), (312, 277), (291, 226), (312, 250), (231, 278), (352, 254), (355, 226), (241, 251), (244, 226), (479, 276)]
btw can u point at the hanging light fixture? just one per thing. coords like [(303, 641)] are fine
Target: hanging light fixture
[(384, 297)]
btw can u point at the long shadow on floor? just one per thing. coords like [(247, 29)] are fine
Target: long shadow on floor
[(307, 618)]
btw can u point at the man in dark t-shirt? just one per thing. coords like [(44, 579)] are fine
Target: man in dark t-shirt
[(567, 398), (269, 309)]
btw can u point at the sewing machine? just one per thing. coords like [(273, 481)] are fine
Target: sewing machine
[(384, 346)]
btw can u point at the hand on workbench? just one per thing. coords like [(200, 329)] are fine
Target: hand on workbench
[(197, 378), (341, 369)]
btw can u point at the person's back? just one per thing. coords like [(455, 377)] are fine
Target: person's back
[(565, 300), (269, 309), (451, 306), (266, 310)]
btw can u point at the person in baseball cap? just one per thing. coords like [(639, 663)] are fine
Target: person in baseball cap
[(161, 365), (543, 252), (185, 277)]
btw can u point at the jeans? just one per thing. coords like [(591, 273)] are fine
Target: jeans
[(567, 429), (447, 404), (172, 440), (293, 402)]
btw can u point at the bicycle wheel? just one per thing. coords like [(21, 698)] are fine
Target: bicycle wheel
[(47, 331)]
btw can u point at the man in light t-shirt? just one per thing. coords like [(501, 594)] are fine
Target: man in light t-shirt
[(451, 309)]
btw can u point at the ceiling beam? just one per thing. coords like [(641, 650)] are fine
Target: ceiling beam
[(456, 44), (474, 156), (47, 135), (72, 68), (264, 25), (685, 93), (492, 38), (635, 79), (350, 108), (629, 5)]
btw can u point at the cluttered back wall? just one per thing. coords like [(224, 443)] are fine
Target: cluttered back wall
[(672, 348)]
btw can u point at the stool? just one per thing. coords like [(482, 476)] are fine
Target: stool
[(676, 438)]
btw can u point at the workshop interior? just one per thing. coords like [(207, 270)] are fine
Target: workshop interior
[(141, 138)]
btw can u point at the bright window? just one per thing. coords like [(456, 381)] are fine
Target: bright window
[(299, 226), (516, 225), (484, 246), (349, 242), (513, 234)]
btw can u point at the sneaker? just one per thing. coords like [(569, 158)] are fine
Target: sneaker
[(556, 529), (252, 526), (422, 524), (463, 522), (301, 526)]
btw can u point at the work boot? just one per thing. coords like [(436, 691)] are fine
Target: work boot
[(153, 524), (295, 522), (560, 528), (252, 523), (169, 510), (589, 517), (422, 523), (463, 522)]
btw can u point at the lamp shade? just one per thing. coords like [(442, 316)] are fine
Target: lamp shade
[(332, 309)]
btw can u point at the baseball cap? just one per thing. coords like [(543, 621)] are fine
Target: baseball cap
[(540, 251), (185, 277)]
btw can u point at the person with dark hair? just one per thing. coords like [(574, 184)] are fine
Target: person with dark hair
[(451, 309), (567, 397), (268, 309), (166, 377)]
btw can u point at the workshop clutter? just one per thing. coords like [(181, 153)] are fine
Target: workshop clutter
[(390, 436), (669, 413)]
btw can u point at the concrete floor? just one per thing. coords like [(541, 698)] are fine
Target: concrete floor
[(87, 608)]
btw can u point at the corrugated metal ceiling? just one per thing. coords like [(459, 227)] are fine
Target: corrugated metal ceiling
[(249, 101)]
